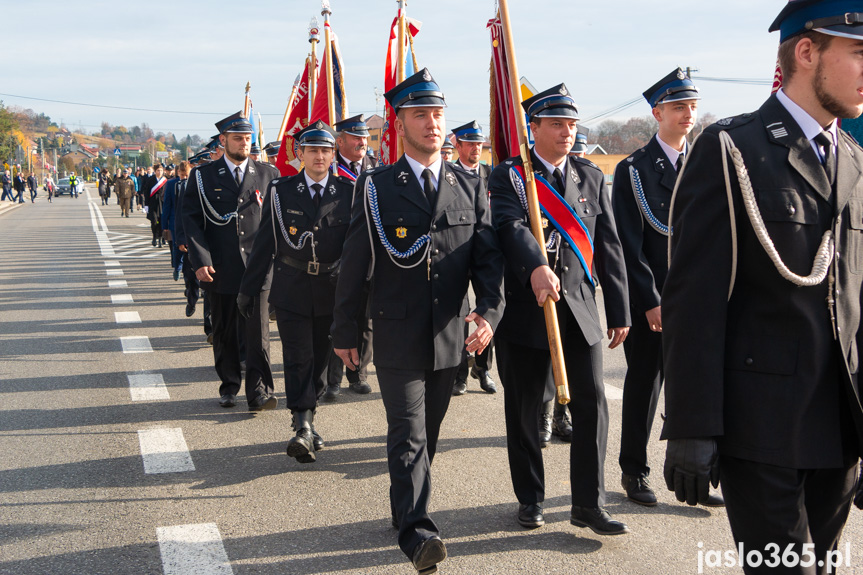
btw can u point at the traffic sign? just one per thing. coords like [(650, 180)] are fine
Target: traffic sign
[(117, 152), (97, 169)]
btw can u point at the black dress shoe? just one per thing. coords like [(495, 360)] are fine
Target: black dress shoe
[(560, 424), (317, 440), (460, 387), (486, 383), (262, 402), (190, 309), (360, 387), (544, 429), (598, 520), (714, 500), (210, 338), (332, 392), (228, 400), (301, 447), (427, 554), (530, 516), (638, 490)]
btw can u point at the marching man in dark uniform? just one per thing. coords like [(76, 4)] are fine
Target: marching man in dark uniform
[(446, 150), (523, 359), (419, 227), (352, 140), (641, 196), (303, 227), (761, 305), (221, 215), (469, 140)]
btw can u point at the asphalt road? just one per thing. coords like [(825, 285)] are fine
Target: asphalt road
[(124, 463)]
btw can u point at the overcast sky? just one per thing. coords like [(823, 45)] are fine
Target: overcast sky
[(193, 56)]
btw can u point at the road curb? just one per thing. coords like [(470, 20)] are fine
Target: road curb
[(9, 207)]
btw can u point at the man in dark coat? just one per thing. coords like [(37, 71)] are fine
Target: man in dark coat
[(533, 274), (469, 140), (352, 142), (419, 227), (33, 186), (761, 319), (303, 229), (19, 184), (641, 196), (221, 214)]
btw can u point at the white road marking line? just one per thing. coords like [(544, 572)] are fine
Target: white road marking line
[(115, 273), (164, 451), (147, 387), (136, 250), (93, 219), (111, 264), (125, 298), (143, 225), (101, 219), (613, 392), (127, 317), (193, 550), (117, 283), (136, 344)]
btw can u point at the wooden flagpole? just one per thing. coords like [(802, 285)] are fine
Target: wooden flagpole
[(328, 48), (551, 325), (313, 65), (291, 99), (246, 101), (400, 65)]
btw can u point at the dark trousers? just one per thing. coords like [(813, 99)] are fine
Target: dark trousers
[(641, 386), (306, 348), (7, 193), (156, 228), (336, 367), (415, 402), (192, 288), (19, 196), (482, 361), (176, 255), (769, 504), (228, 324), (524, 373), (33, 194)]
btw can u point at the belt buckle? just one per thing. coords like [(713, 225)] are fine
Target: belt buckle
[(313, 268)]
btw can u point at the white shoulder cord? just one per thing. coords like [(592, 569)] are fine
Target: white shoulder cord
[(824, 255), (222, 220)]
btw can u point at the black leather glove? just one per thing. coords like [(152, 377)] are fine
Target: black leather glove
[(245, 305), (691, 466), (334, 275), (858, 497)]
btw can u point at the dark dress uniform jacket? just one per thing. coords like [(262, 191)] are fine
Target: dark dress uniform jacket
[(226, 247), (646, 249), (761, 371), (294, 289), (484, 171), (524, 321), (418, 316)]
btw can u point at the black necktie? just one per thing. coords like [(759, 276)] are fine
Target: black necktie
[(428, 187), (237, 176), (826, 141), (355, 167), (558, 181), (317, 198), (679, 164)]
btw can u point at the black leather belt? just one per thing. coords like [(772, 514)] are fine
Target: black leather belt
[(311, 268)]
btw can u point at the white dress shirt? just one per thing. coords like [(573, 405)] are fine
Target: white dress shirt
[(232, 167), (418, 170), (807, 123)]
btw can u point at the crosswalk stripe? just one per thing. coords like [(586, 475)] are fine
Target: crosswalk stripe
[(111, 264), (164, 451), (117, 283), (147, 387), (114, 273), (127, 317), (125, 298), (193, 549), (136, 344), (613, 392)]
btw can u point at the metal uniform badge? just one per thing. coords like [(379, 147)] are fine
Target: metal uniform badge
[(573, 176), (332, 190), (544, 222), (403, 177), (401, 233), (292, 230), (450, 178), (777, 129), (301, 187)]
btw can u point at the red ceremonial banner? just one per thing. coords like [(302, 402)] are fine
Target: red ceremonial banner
[(287, 160)]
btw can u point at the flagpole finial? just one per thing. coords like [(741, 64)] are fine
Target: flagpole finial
[(313, 30), (248, 86), (325, 7)]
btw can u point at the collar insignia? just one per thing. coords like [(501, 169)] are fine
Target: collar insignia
[(450, 178), (301, 187), (403, 177), (251, 168), (332, 189), (778, 130), (222, 171)]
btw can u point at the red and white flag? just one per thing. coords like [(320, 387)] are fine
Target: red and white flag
[(287, 161), (389, 147), (504, 135)]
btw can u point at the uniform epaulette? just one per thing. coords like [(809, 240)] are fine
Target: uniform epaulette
[(585, 161), (733, 122), (462, 171), (286, 179), (850, 141), (637, 154)]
